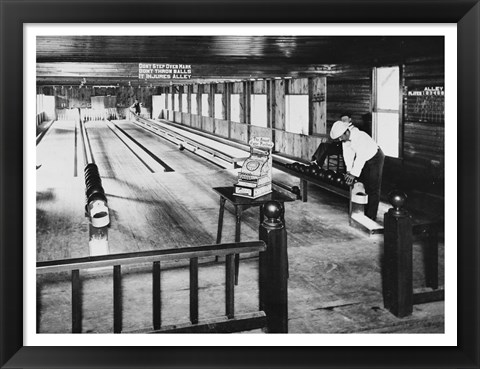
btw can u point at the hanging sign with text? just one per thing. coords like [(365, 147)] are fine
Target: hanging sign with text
[(152, 71)]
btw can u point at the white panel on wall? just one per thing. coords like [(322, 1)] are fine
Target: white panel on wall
[(205, 105), (176, 103), (218, 106), (296, 114), (258, 110), (169, 102), (193, 102), (184, 103), (158, 104)]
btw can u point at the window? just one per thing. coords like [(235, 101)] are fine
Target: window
[(235, 108), (184, 103), (386, 112), (258, 110), (158, 105), (176, 103), (168, 104), (193, 103), (218, 106), (205, 105), (296, 114)]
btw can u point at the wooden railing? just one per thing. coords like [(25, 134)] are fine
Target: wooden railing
[(398, 293), (272, 315)]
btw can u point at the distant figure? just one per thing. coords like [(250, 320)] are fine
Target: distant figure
[(137, 107)]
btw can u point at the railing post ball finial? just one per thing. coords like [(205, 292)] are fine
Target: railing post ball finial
[(397, 199), (272, 211)]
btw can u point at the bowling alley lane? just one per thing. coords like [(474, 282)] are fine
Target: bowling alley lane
[(146, 211), (62, 229)]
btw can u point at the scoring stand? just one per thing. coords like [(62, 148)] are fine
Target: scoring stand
[(255, 177)]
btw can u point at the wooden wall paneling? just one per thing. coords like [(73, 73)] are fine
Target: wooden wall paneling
[(350, 90), (424, 113), (248, 93), (238, 87), (280, 142), (208, 124), (196, 121), (219, 88), (243, 107), (260, 132), (289, 144), (211, 100), (184, 119), (271, 107), (268, 92), (221, 127), (225, 99), (228, 103), (297, 86), (297, 145), (177, 117), (318, 105), (180, 102), (239, 132), (199, 106), (279, 104), (259, 87), (189, 99)]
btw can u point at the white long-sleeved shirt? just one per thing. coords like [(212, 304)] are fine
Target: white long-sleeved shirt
[(358, 150)]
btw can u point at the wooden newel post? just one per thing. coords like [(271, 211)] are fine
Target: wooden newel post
[(273, 273), (397, 266)]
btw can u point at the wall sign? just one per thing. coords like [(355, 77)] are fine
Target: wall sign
[(428, 91), (152, 71), (426, 104)]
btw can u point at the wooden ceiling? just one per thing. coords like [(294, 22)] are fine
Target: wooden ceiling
[(111, 60)]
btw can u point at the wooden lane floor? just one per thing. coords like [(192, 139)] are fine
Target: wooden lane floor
[(335, 270), (62, 229)]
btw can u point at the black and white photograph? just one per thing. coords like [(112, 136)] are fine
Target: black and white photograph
[(239, 183)]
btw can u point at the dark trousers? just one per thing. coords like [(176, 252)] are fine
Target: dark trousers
[(371, 177), (326, 149)]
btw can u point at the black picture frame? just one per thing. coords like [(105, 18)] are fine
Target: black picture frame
[(465, 13)]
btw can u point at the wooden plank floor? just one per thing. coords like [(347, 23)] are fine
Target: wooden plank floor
[(335, 281)]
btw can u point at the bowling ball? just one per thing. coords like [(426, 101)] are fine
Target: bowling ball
[(321, 173), (296, 190), (338, 179), (93, 190), (329, 175), (89, 166), (96, 196), (93, 182)]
